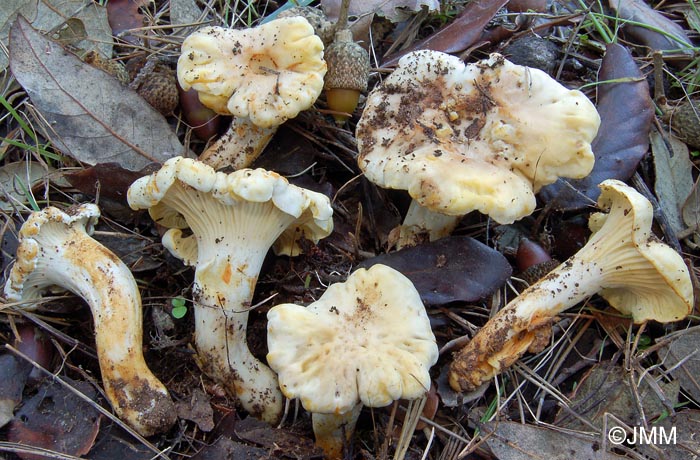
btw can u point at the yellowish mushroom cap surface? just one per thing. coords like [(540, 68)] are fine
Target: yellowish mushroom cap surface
[(365, 340), (267, 73), (650, 281), (484, 136), (188, 193), (57, 224)]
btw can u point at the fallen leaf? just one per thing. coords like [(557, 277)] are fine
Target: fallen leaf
[(691, 208), (104, 179), (626, 112), (290, 155), (393, 10), (605, 391), (275, 440), (93, 118), (33, 343), (197, 409), (17, 178), (184, 12), (518, 441), (8, 13), (522, 6), (56, 419), (8, 246), (674, 176), (458, 35), (685, 346), (110, 446), (13, 376), (655, 31), (455, 268), (684, 445), (226, 449), (64, 19), (124, 15), (59, 17)]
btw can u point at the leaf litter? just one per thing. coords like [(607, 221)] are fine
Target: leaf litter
[(596, 370)]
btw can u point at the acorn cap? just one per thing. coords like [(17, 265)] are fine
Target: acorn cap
[(348, 64), (684, 121), (160, 90)]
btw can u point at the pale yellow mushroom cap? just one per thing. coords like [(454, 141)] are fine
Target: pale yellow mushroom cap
[(55, 225), (219, 207), (649, 281), (268, 73), (484, 136), (365, 340)]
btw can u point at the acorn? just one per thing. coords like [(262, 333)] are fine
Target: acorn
[(533, 261), (204, 121), (685, 122), (160, 90), (346, 78), (156, 82)]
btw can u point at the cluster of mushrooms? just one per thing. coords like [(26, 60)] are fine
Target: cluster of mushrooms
[(459, 138)]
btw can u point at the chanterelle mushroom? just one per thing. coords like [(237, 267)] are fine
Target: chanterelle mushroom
[(55, 249), (484, 136), (234, 219), (623, 261), (262, 76), (366, 341)]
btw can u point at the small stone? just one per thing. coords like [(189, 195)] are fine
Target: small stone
[(533, 51)]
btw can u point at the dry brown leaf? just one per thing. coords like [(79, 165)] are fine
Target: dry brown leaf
[(685, 346), (672, 38), (460, 34), (674, 176), (92, 117), (517, 441), (9, 11), (393, 10), (691, 208), (626, 112), (55, 16), (685, 445), (184, 12), (606, 391), (17, 177)]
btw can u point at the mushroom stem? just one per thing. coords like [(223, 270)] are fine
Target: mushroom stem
[(223, 295), (333, 431), (234, 220), (60, 252), (225, 277), (239, 146), (420, 220), (523, 324), (623, 261)]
